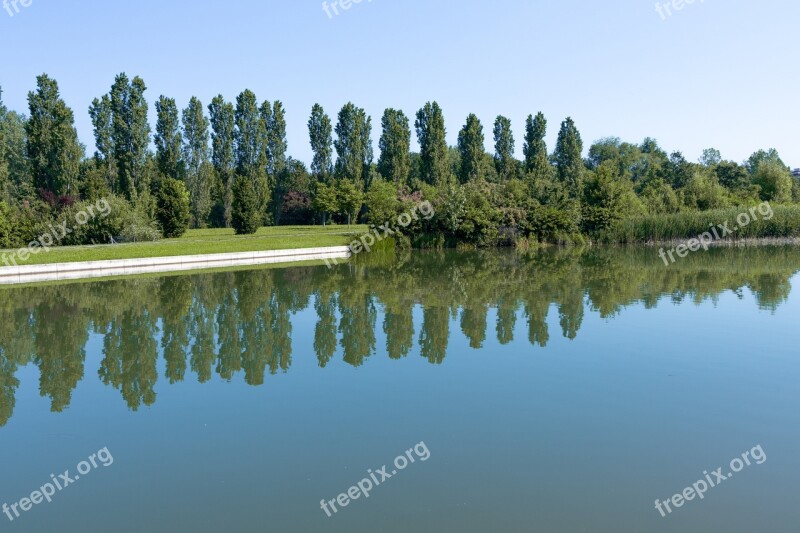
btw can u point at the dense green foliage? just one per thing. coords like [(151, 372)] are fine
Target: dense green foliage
[(245, 207), (227, 165), (172, 207)]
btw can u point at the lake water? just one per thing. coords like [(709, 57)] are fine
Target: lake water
[(555, 391)]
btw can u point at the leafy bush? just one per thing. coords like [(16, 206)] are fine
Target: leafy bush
[(110, 219), (296, 209), (172, 207), (556, 225), (245, 218), (382, 202), (5, 226)]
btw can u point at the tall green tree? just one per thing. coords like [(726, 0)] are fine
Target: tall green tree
[(763, 156), (250, 135), (14, 141), (394, 164), (775, 181), (431, 134), (102, 123), (711, 157), (5, 185), (537, 164), (732, 175), (353, 145), (223, 156), (168, 139), (130, 135), (199, 174), (471, 147), (569, 162), (251, 148), (52, 140), (320, 134), (275, 123), (274, 117), (504, 160)]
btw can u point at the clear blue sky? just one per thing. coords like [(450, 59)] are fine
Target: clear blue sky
[(716, 73)]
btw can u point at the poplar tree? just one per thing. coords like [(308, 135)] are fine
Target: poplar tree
[(168, 139), (504, 160), (319, 132), (14, 140), (251, 158), (223, 156), (471, 148), (130, 135), (569, 161), (102, 124), (353, 145), (394, 163), (431, 135), (276, 139), (5, 185), (535, 149), (275, 124), (199, 174), (250, 136), (52, 140)]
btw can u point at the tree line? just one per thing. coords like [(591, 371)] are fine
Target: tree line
[(227, 165)]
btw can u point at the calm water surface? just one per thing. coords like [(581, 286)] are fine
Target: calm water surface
[(558, 391)]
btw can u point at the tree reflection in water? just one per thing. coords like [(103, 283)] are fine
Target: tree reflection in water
[(239, 322)]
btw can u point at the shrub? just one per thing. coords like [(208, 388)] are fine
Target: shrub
[(775, 182), (296, 209), (382, 202), (245, 218), (113, 219), (5, 226), (172, 207)]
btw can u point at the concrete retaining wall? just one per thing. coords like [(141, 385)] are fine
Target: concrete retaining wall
[(124, 267)]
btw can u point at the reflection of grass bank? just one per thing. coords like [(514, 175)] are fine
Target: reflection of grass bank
[(784, 224), (205, 241)]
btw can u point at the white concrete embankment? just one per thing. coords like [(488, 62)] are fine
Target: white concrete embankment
[(126, 267)]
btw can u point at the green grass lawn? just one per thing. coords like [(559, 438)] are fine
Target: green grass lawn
[(204, 241)]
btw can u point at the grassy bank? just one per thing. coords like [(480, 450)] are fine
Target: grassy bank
[(206, 241), (784, 223)]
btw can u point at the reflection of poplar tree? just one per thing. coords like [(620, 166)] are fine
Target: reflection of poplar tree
[(357, 327), (176, 301), (571, 312), (254, 290), (506, 320), (8, 387), (473, 324), (435, 334), (130, 354), (280, 330), (398, 324), (536, 309), (60, 333), (203, 330), (230, 348), (325, 330)]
